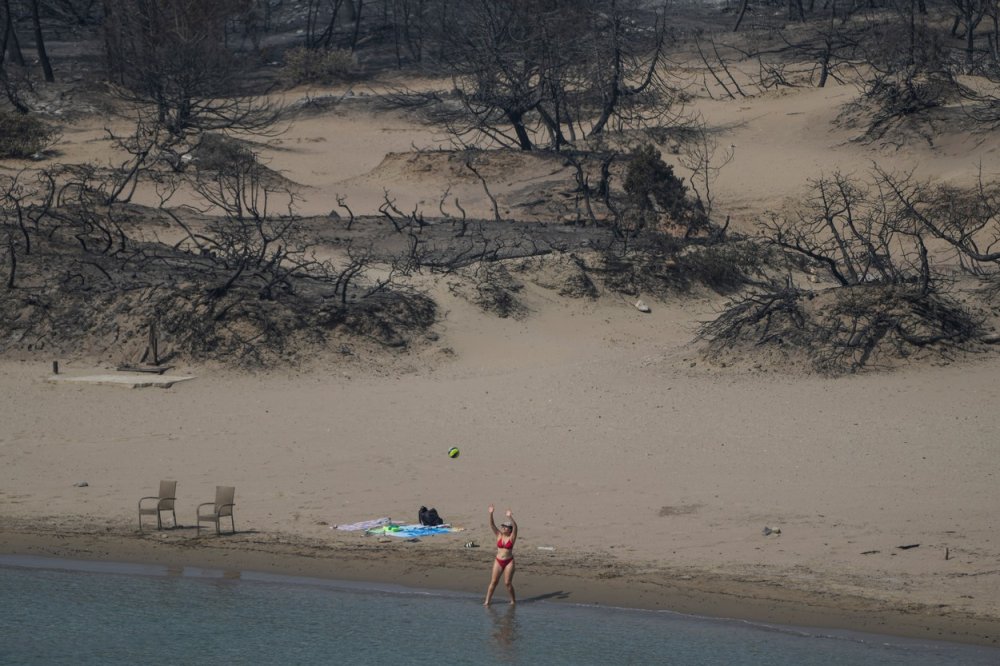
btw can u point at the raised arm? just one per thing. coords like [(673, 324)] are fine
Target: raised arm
[(513, 524), (493, 526)]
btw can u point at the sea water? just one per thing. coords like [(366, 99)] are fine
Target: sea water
[(67, 612)]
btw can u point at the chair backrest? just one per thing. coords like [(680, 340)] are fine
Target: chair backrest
[(167, 489), (224, 495)]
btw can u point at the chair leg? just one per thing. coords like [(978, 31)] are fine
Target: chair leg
[(159, 524), (140, 522), (175, 517), (232, 520), (218, 530)]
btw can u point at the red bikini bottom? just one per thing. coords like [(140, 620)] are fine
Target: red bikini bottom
[(503, 563)]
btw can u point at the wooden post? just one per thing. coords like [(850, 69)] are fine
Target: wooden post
[(55, 367)]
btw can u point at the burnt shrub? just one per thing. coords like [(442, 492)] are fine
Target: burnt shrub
[(23, 135)]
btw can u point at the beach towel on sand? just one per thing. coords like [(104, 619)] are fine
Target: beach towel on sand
[(411, 531), (363, 525)]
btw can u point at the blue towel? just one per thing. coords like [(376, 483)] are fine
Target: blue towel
[(410, 531)]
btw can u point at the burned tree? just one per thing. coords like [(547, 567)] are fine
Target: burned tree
[(967, 219), (547, 74), (888, 299), (852, 233), (173, 57), (243, 286), (909, 74), (898, 53), (245, 240), (658, 197), (25, 199), (981, 95)]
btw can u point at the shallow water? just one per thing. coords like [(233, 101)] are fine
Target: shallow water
[(62, 611)]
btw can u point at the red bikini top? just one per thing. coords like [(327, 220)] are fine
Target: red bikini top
[(509, 544)]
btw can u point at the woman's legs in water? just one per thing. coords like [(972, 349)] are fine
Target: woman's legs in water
[(494, 579), (508, 580)]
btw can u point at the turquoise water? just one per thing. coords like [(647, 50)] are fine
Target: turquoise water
[(62, 612)]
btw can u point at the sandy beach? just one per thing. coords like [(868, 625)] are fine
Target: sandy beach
[(648, 477), (640, 475)]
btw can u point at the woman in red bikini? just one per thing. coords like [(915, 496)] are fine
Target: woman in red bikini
[(504, 561)]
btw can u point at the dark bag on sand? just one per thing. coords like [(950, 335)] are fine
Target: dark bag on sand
[(429, 517)]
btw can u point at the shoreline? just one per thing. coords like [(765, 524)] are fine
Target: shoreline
[(447, 566), (102, 567)]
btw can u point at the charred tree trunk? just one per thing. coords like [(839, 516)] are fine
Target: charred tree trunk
[(796, 11), (43, 56), (10, 36), (12, 250), (913, 34), (357, 22), (517, 121), (739, 18), (615, 87)]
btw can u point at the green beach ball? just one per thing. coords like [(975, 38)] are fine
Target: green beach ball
[(453, 452)]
